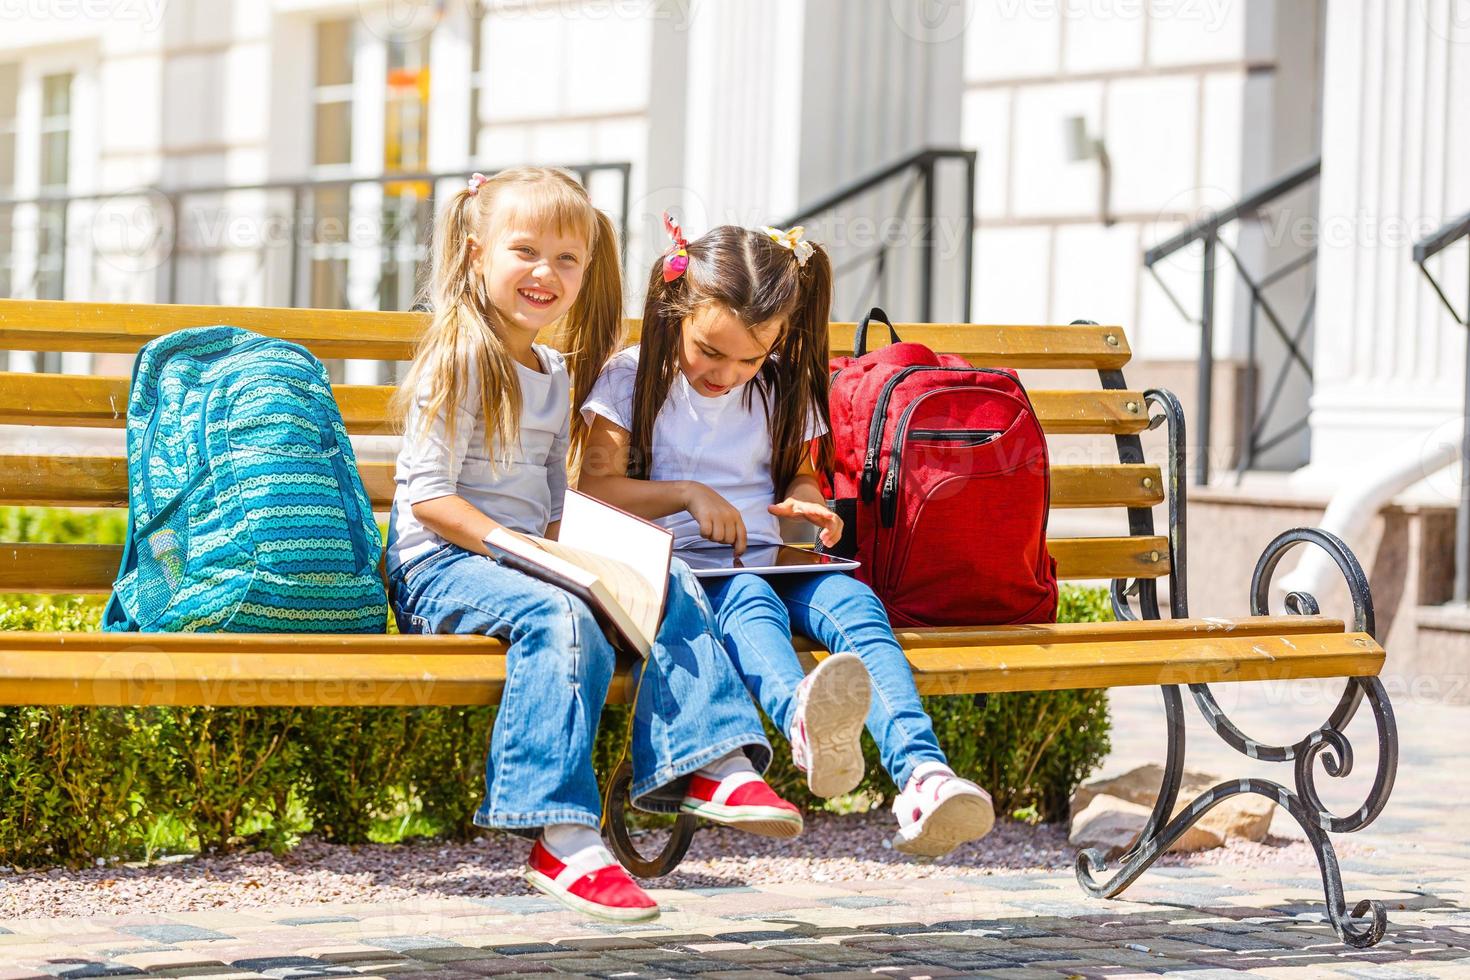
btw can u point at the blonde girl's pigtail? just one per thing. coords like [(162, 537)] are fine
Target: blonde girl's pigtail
[(803, 376), (593, 330), (462, 332)]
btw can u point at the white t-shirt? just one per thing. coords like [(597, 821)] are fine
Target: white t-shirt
[(525, 491), (715, 441)]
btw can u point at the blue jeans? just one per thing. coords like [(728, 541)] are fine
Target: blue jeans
[(756, 617), (691, 706)]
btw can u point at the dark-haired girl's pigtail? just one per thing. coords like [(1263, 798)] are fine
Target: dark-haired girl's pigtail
[(658, 359), (802, 377)]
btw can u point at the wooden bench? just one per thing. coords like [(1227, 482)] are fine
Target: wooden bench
[(1143, 648)]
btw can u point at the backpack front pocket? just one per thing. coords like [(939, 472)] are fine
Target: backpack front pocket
[(292, 484)]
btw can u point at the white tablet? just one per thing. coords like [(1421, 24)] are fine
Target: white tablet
[(770, 559)]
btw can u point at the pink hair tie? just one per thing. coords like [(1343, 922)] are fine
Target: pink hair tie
[(676, 256), (475, 181)]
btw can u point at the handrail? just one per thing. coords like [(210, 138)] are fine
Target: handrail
[(1424, 250), (1247, 205), (923, 162), (1445, 236), (581, 169), (1207, 231), (172, 199), (863, 184)]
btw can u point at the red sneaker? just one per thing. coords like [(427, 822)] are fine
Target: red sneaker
[(744, 801), (603, 891)]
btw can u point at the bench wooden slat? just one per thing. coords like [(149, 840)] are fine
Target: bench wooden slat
[(1120, 557), (933, 638), (124, 327), (92, 567), (80, 400), (1120, 485), (116, 669), (102, 481)]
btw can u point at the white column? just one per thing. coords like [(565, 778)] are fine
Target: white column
[(741, 129), (1390, 363)]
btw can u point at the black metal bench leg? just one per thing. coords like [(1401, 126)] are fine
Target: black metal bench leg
[(620, 842), (1328, 742)]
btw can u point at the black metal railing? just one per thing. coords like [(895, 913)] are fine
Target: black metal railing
[(1424, 250), (308, 228), (915, 233), (1207, 232)]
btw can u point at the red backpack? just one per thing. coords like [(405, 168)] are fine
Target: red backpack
[(941, 480)]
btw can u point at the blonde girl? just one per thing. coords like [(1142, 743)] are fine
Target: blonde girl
[(488, 427)]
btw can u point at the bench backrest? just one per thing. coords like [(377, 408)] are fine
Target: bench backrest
[(40, 478)]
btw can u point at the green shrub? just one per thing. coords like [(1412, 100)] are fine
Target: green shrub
[(78, 783), (54, 525), (1026, 749)]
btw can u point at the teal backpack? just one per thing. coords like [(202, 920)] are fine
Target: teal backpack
[(246, 512)]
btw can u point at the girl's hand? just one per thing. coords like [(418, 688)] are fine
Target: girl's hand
[(719, 520), (816, 514)]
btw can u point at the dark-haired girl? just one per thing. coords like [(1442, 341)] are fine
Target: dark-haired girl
[(714, 426)]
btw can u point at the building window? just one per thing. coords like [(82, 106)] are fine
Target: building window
[(406, 109), (477, 74), (332, 93), (9, 95), (55, 161), (331, 156), (406, 208)]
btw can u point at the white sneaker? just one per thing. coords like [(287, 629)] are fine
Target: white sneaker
[(938, 811), (831, 706)]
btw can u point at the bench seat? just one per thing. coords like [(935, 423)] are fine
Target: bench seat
[(310, 669)]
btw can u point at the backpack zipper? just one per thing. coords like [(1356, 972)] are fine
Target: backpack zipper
[(869, 481), (976, 437), (888, 501)]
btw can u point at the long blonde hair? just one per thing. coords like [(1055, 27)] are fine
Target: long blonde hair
[(465, 326)]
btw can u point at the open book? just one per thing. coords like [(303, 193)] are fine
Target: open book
[(616, 563)]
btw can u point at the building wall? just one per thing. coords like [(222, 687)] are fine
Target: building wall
[(1197, 104), (727, 112)]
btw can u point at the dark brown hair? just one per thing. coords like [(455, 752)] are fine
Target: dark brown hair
[(747, 273)]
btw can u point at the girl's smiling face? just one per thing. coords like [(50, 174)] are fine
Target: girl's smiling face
[(532, 271), (717, 352)]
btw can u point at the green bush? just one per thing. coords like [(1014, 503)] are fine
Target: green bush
[(78, 784), (1029, 750)]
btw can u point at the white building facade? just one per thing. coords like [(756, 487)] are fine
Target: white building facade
[(1103, 127)]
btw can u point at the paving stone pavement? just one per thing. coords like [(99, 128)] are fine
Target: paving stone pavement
[(1202, 920)]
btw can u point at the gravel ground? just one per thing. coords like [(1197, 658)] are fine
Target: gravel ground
[(832, 848)]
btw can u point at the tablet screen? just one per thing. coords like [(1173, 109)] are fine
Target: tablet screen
[(761, 559)]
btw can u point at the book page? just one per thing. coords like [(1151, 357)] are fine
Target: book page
[(597, 581), (588, 524), (630, 589)]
